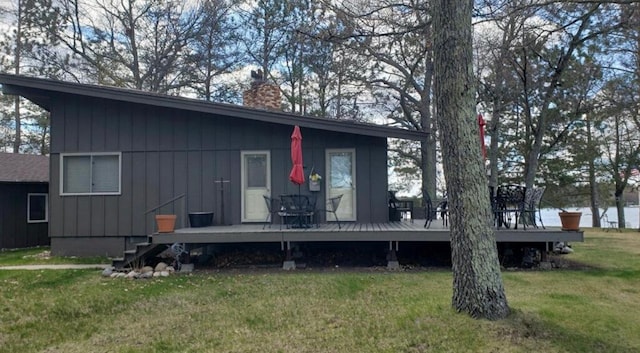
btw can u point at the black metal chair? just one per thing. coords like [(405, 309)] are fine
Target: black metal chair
[(428, 209), (533, 199), (394, 213), (273, 210), (332, 207), (509, 204), (443, 209), (295, 210)]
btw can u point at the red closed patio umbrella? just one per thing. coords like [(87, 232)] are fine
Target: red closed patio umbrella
[(482, 123), (297, 172)]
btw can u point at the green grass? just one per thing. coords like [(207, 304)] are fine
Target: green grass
[(592, 309), (40, 256)]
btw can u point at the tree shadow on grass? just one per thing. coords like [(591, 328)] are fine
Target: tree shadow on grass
[(524, 329)]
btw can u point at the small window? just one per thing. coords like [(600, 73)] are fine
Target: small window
[(37, 208), (95, 174)]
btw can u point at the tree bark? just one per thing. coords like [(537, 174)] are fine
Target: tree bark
[(477, 281)]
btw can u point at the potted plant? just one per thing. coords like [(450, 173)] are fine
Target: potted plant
[(166, 223), (569, 220), (314, 181)]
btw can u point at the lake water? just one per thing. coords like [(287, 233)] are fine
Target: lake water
[(631, 216)]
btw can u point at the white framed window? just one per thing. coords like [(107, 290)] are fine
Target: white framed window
[(90, 174), (37, 208)]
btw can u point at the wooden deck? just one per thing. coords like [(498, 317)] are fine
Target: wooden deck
[(353, 232)]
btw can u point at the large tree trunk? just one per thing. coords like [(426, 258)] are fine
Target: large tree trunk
[(477, 281)]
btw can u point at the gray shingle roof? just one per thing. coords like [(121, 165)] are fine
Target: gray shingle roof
[(16, 167)]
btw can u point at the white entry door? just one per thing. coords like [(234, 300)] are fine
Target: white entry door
[(256, 182), (341, 180)]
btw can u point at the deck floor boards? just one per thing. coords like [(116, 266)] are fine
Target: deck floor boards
[(392, 231)]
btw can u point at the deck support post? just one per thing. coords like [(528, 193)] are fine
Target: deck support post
[(393, 263), (289, 263)]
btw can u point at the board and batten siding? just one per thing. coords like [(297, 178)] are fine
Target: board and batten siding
[(167, 152)]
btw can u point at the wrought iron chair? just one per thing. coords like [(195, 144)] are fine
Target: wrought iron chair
[(610, 224), (533, 199), (296, 208), (443, 209), (273, 210), (332, 207), (428, 209), (510, 202)]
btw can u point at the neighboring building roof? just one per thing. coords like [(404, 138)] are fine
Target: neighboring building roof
[(15, 167), (37, 90)]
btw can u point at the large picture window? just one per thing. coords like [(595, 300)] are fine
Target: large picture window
[(93, 174), (37, 208)]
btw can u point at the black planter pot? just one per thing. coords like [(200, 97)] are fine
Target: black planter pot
[(200, 219)]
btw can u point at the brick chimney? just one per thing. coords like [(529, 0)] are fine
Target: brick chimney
[(262, 95)]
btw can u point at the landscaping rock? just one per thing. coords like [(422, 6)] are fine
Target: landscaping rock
[(146, 269), (107, 272), (161, 266), (164, 273)]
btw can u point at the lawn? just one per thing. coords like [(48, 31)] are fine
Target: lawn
[(591, 309)]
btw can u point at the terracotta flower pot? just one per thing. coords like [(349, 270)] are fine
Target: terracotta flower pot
[(166, 223), (570, 220)]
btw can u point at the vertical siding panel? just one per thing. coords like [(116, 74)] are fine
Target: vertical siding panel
[(111, 216), (138, 128), (164, 167), (57, 125), (84, 117), (98, 215), (71, 127), (124, 209), (223, 168), (98, 125), (208, 133), (56, 204), (166, 129), (194, 134), (180, 120), (180, 185), (152, 119), (111, 128), (208, 172), (70, 214), (153, 197), (84, 215), (363, 181), (140, 185), (222, 134), (126, 128), (195, 185)]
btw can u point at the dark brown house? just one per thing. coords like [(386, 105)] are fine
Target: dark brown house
[(118, 153), (24, 192)]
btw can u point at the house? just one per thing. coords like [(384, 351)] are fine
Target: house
[(118, 154), (24, 190)]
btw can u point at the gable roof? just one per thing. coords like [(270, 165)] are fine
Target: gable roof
[(15, 168), (40, 91)]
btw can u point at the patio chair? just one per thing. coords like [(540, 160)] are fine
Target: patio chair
[(296, 210), (428, 209), (533, 199), (443, 209), (332, 207), (394, 213), (610, 224), (510, 202), (272, 209)]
